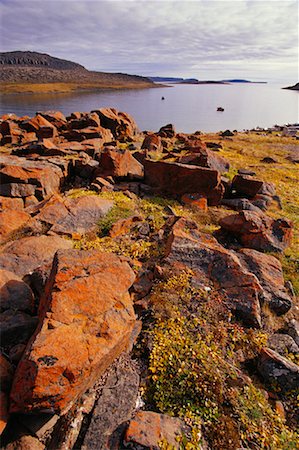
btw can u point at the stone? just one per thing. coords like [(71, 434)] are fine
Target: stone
[(121, 124), (102, 185), (6, 373), (258, 231), (246, 186), (14, 293), (47, 177), (206, 158), (16, 353), (16, 327), (268, 270), (53, 211), (215, 146), (277, 370), (16, 204), (114, 407), (24, 255), (56, 118), (152, 142), (240, 204), (17, 190), (84, 121), (167, 131), (86, 168), (292, 329), (10, 222), (283, 344), (3, 411), (226, 133), (83, 214), (178, 179), (268, 160), (86, 307), (120, 164), (188, 248), (25, 443), (195, 200), (123, 226), (41, 126), (148, 429)]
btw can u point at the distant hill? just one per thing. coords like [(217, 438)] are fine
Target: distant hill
[(39, 72), (293, 88), (244, 81), (166, 79)]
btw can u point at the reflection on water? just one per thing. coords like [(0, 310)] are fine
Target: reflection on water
[(188, 107)]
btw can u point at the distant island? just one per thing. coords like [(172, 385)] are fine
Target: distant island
[(293, 88), (23, 72), (174, 80)]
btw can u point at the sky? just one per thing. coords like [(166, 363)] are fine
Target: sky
[(205, 39)]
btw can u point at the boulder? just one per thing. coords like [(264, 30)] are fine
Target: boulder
[(206, 158), (268, 270), (178, 179), (152, 142), (86, 319), (246, 186), (24, 255), (84, 121), (188, 248), (121, 124), (278, 371), (10, 222), (11, 203), (76, 215), (16, 327), (17, 190), (25, 442), (41, 126), (167, 131), (120, 164), (56, 118), (258, 231), (283, 344), (240, 204), (14, 293), (148, 429)]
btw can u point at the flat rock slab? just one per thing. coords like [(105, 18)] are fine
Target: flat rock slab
[(86, 319), (24, 255), (114, 406), (75, 215)]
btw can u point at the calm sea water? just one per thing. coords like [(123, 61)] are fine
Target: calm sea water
[(188, 107)]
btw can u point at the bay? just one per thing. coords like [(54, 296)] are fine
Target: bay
[(188, 107)]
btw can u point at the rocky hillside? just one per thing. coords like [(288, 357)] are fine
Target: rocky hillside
[(148, 286), (21, 70)]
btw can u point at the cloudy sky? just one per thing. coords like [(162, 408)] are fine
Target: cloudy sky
[(206, 39)]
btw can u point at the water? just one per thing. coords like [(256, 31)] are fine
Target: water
[(188, 107)]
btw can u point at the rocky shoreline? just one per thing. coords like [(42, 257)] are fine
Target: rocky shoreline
[(143, 300)]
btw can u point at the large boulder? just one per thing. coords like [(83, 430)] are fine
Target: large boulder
[(178, 179), (268, 270), (246, 186), (119, 163), (41, 126), (24, 255), (258, 231), (86, 319), (206, 158), (152, 142), (121, 124), (191, 249)]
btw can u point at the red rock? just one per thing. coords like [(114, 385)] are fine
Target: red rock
[(53, 211), (31, 200), (11, 221), (246, 186), (206, 158), (6, 373), (41, 126), (258, 231), (167, 131), (3, 411), (121, 124), (179, 179), (195, 200), (123, 226), (15, 294), (148, 429), (268, 270), (119, 163), (152, 142), (87, 308), (9, 127), (17, 190), (11, 203), (56, 118), (84, 121), (101, 184), (26, 254), (188, 248)]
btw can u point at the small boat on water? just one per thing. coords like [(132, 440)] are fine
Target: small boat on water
[(220, 108)]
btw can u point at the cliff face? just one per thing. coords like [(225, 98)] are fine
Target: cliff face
[(33, 67)]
